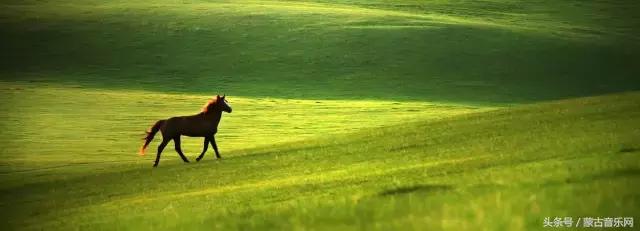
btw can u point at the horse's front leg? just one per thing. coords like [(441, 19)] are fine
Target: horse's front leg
[(204, 149), (215, 146)]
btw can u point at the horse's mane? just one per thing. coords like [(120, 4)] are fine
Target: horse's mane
[(205, 108)]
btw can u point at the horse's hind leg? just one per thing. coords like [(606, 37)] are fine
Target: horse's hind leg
[(176, 141), (204, 149), (160, 148)]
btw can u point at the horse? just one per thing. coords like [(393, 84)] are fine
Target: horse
[(203, 124)]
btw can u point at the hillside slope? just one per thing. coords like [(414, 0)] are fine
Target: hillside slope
[(489, 52), (507, 168)]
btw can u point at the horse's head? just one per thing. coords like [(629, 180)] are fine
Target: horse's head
[(224, 104), (217, 104)]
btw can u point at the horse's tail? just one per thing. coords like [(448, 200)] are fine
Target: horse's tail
[(150, 134)]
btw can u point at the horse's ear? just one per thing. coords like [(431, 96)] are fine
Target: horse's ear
[(217, 96), (224, 95)]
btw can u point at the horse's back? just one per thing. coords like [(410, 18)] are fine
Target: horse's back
[(194, 125)]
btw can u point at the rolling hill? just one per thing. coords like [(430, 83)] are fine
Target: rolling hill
[(348, 114)]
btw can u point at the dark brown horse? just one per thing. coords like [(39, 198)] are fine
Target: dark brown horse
[(204, 124)]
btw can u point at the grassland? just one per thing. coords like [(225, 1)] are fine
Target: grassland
[(505, 168), (52, 128), (349, 114), (489, 52)]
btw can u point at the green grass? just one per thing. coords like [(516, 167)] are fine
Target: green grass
[(464, 52), (505, 168), (348, 114), (54, 126)]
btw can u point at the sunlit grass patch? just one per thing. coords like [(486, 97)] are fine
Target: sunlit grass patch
[(64, 125)]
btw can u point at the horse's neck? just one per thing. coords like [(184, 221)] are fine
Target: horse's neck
[(214, 116)]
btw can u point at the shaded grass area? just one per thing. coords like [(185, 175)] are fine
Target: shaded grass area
[(414, 189), (507, 168), (491, 53)]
